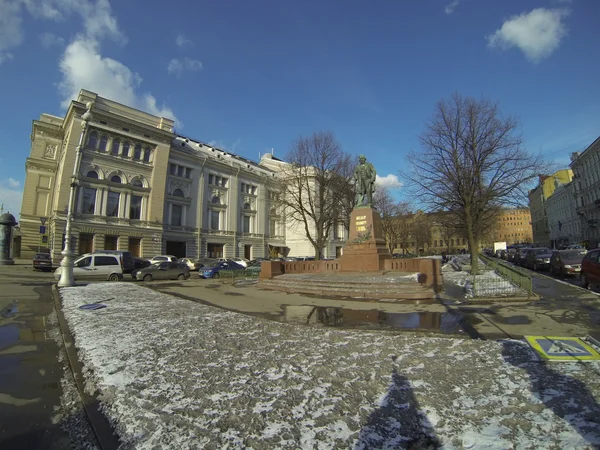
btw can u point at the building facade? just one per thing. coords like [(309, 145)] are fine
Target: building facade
[(563, 223), (537, 204), (141, 187), (513, 226), (586, 192)]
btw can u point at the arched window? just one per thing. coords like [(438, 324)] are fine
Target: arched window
[(103, 142), (216, 200), (137, 152), (92, 174), (115, 147), (147, 154), (116, 179), (93, 139), (178, 193), (137, 183), (126, 146)]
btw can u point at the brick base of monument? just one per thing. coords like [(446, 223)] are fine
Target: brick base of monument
[(365, 250)]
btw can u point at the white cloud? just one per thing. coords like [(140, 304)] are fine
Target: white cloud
[(449, 9), (50, 40), (390, 182), (10, 196), (181, 41), (178, 66), (536, 33), (83, 66), (11, 34), (221, 145)]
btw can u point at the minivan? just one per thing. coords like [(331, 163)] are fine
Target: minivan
[(96, 266), (126, 258)]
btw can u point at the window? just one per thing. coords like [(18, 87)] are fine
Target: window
[(103, 142), (93, 139), (146, 154), (177, 193), (211, 179), (176, 213), (188, 172), (92, 174), (110, 242), (246, 224), (116, 179), (135, 207), (137, 152), (112, 205), (114, 149), (85, 262), (272, 227), (125, 151), (214, 220), (172, 169), (137, 183), (89, 201), (180, 171), (106, 260)]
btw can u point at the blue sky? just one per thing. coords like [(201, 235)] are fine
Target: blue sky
[(251, 76)]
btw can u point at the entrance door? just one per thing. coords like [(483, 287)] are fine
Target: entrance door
[(214, 250), (177, 248), (86, 243), (135, 246), (248, 252), (110, 242)]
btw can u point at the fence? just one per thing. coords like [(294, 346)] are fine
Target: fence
[(509, 273)]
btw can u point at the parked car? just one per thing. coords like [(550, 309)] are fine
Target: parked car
[(520, 254), (510, 254), (166, 270), (162, 258), (241, 261), (213, 271), (140, 263), (565, 262), (580, 248), (590, 269), (125, 257), (42, 261), (95, 266), (538, 258), (192, 264)]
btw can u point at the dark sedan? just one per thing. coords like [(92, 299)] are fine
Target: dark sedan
[(162, 271), (42, 261), (538, 258)]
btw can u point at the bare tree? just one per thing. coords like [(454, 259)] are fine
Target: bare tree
[(317, 172), (392, 215), (422, 225), (472, 163)]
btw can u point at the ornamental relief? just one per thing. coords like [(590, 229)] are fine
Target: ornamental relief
[(50, 152)]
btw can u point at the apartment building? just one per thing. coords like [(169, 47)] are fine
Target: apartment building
[(537, 204), (586, 192), (563, 222), (141, 187), (513, 226)]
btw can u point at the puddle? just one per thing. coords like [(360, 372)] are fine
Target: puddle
[(445, 322), (9, 335), (233, 293), (10, 311)]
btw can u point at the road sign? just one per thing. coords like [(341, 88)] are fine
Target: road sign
[(42, 229), (43, 220), (562, 348)]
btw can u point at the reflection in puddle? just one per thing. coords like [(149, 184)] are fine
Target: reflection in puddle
[(373, 319), (9, 335), (10, 311)]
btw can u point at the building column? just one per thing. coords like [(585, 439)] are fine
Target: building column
[(126, 204)]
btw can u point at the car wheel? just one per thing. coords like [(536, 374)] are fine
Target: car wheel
[(216, 275), (181, 276), (148, 277), (584, 281), (113, 277)]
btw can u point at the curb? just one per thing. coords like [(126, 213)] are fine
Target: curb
[(104, 432)]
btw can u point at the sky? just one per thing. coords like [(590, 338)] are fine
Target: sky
[(251, 77)]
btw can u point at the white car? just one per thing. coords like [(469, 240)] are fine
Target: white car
[(163, 258), (190, 263), (241, 261), (95, 266)]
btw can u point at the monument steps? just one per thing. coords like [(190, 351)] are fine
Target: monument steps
[(376, 287)]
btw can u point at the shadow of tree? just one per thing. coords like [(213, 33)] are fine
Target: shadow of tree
[(567, 397), (398, 423)]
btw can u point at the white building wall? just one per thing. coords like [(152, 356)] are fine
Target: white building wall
[(563, 221)]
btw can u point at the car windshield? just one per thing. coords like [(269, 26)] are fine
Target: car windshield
[(541, 251), (42, 256), (214, 264), (571, 255)]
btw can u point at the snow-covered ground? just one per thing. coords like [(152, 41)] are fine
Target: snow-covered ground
[(177, 374)]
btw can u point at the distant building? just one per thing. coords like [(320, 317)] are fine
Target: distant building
[(537, 204), (513, 226), (586, 192), (563, 222)]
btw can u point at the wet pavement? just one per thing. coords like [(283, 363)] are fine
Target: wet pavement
[(30, 373)]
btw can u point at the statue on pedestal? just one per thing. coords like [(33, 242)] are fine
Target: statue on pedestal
[(364, 176)]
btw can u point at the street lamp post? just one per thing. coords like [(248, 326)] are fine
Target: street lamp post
[(66, 273)]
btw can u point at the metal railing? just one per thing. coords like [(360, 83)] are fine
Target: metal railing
[(510, 273)]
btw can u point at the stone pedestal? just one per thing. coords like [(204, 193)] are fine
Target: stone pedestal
[(365, 250), (7, 222)]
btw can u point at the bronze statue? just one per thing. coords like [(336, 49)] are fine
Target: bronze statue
[(364, 176)]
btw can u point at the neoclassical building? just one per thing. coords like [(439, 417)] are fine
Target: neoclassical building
[(141, 187)]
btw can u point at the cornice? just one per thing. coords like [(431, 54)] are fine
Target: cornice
[(118, 161), (41, 165)]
